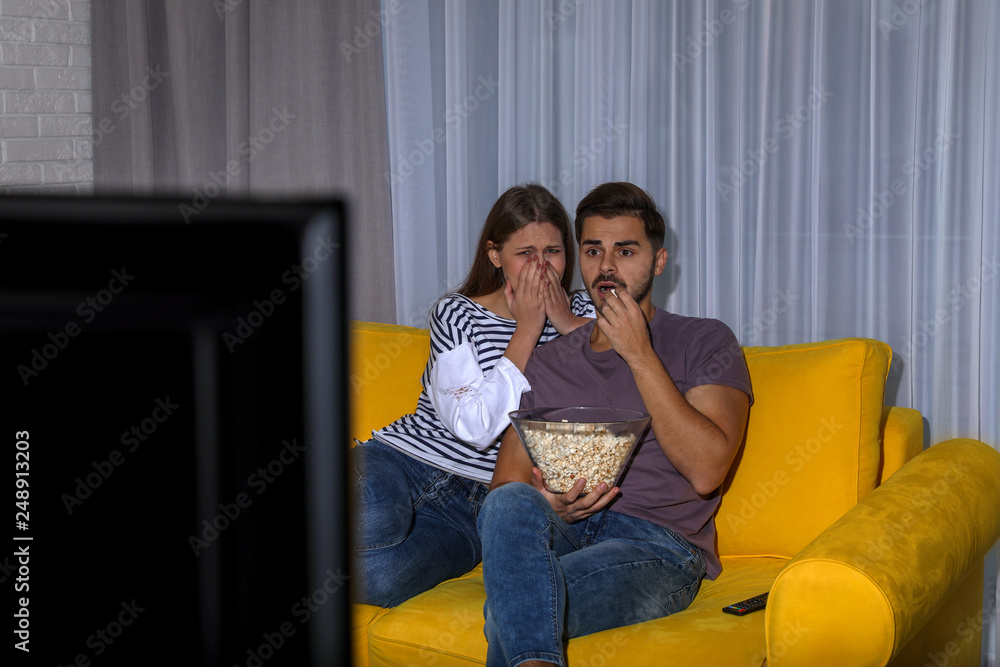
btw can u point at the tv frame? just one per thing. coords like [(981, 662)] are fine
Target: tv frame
[(34, 303)]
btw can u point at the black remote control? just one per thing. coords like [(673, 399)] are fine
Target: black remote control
[(748, 606)]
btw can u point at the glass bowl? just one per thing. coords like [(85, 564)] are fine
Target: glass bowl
[(569, 443)]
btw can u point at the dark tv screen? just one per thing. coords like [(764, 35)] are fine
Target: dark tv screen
[(175, 420)]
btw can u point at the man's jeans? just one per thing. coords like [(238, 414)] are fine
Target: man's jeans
[(414, 527), (547, 580)]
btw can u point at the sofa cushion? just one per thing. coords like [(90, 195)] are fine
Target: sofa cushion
[(444, 626), (387, 362), (362, 616), (812, 446), (701, 634)]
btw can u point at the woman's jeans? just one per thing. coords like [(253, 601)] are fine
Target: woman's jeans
[(547, 580), (414, 527)]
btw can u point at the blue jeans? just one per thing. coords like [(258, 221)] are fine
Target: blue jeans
[(414, 527), (548, 580)]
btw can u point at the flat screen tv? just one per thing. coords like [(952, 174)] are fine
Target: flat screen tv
[(174, 416)]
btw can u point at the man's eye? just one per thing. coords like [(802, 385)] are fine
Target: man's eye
[(593, 252), (625, 252)]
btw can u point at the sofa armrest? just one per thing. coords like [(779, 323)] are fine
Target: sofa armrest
[(902, 434), (869, 583)]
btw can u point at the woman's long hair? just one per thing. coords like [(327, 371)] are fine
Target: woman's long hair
[(518, 207)]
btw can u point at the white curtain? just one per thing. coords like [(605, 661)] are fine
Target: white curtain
[(827, 168)]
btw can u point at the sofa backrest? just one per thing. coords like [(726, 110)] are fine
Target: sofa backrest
[(811, 450), (386, 364), (812, 446)]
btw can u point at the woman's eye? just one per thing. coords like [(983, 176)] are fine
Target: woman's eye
[(554, 251)]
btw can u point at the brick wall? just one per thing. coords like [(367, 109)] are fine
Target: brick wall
[(45, 97)]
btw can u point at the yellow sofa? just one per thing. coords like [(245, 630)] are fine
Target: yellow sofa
[(872, 548)]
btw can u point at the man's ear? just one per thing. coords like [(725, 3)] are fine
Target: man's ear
[(493, 253), (661, 261)]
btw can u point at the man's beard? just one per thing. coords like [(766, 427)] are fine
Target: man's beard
[(638, 293)]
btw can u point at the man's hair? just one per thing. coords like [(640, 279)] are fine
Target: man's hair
[(612, 200)]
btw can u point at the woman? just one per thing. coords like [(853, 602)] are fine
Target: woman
[(419, 482)]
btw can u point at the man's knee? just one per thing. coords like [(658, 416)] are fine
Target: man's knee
[(512, 500)]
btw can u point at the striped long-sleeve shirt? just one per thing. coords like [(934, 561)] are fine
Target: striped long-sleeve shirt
[(473, 400)]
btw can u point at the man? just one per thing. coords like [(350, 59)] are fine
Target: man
[(558, 566)]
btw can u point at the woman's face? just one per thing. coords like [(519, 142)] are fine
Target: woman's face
[(541, 240)]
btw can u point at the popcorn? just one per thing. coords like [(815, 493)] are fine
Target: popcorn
[(563, 458)]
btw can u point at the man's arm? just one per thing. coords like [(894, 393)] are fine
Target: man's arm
[(514, 465), (699, 431)]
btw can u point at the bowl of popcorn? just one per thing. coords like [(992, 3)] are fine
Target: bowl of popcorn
[(569, 443)]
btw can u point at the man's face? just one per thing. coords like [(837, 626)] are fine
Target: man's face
[(615, 253)]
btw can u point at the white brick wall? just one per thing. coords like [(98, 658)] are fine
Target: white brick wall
[(46, 144)]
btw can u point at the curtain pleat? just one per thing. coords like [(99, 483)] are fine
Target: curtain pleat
[(251, 99)]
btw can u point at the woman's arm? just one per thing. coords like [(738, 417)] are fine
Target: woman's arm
[(527, 306), (472, 405)]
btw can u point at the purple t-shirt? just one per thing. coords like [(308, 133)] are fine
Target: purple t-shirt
[(695, 351)]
